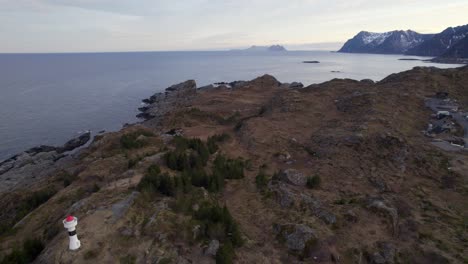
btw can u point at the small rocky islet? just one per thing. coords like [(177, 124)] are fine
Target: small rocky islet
[(339, 172)]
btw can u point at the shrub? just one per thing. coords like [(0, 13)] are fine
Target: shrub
[(225, 254), (230, 168), (154, 181), (180, 160), (31, 249), (90, 254), (129, 259), (217, 223), (261, 180), (131, 141), (67, 178), (213, 140), (25, 206), (313, 181)]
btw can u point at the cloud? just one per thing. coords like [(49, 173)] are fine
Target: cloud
[(88, 25)]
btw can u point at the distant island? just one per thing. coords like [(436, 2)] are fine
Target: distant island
[(451, 45), (273, 48)]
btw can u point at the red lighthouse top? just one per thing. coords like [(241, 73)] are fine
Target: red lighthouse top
[(70, 218)]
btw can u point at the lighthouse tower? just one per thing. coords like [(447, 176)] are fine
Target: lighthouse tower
[(70, 223)]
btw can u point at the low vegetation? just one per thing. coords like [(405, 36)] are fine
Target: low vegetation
[(135, 139), (230, 168), (313, 181), (217, 223), (27, 254), (212, 142), (25, 206), (154, 181), (261, 180)]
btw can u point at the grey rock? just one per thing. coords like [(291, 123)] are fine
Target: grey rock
[(351, 216), (237, 84), (367, 81), (187, 85), (293, 85), (126, 231), (296, 85), (326, 216), (25, 169), (391, 212), (75, 142), (120, 209), (292, 176), (207, 87), (284, 196), (176, 96), (317, 209), (38, 149), (212, 248), (297, 236), (385, 255), (377, 258)]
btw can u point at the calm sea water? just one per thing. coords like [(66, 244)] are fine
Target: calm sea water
[(49, 98)]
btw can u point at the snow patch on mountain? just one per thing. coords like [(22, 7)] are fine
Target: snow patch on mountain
[(376, 38)]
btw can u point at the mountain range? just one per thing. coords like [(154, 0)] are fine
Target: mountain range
[(452, 43)]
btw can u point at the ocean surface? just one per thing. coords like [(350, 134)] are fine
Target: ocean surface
[(46, 99)]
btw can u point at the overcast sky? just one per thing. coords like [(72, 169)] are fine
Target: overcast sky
[(141, 25)]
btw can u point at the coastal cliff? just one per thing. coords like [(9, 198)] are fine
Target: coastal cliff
[(260, 171)]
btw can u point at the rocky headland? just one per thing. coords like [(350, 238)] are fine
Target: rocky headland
[(258, 172)]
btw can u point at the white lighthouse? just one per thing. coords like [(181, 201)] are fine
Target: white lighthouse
[(70, 223)]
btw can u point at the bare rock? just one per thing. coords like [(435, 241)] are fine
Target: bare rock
[(351, 216), (284, 196), (120, 209), (385, 255), (292, 176), (75, 142), (212, 248), (185, 86), (318, 210), (296, 236), (391, 212)]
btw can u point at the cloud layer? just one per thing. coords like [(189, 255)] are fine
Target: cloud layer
[(123, 25)]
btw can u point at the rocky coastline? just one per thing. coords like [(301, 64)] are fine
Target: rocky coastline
[(32, 165)]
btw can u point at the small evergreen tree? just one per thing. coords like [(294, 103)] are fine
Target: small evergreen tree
[(225, 254), (313, 181)]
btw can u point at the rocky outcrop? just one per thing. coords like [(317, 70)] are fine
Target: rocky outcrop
[(212, 248), (296, 236), (75, 142), (175, 96), (292, 176), (318, 210), (385, 253), (32, 165), (382, 207), (283, 195)]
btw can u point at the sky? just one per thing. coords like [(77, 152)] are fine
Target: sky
[(164, 25)]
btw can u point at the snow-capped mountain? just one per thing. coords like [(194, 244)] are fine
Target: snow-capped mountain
[(393, 42), (441, 43), (458, 50)]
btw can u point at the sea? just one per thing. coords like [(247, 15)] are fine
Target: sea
[(46, 99)]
